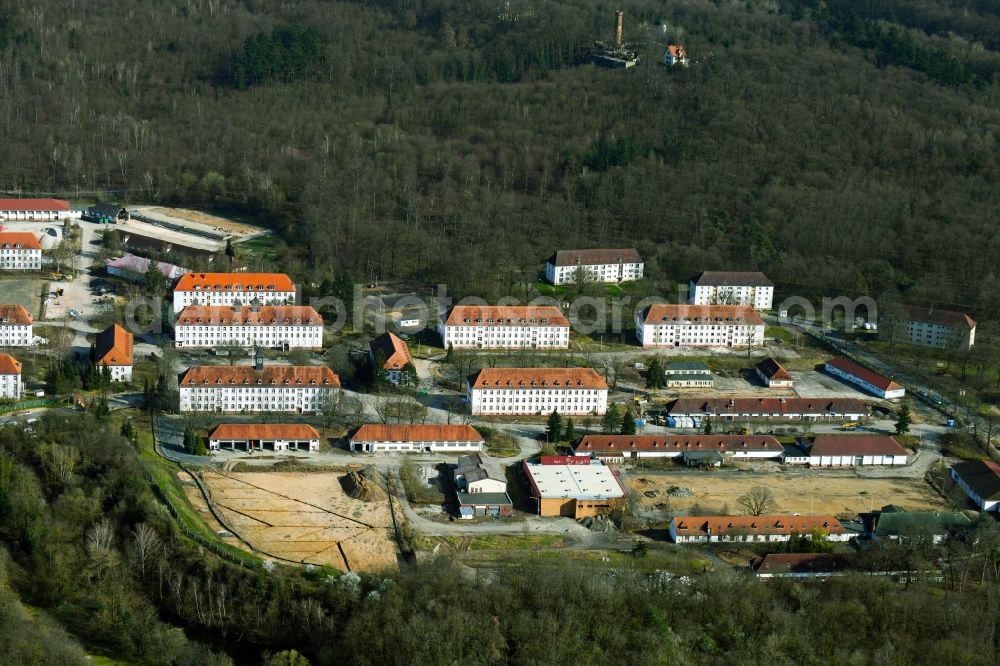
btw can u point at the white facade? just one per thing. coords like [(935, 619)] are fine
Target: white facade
[(15, 335), (942, 336), (120, 373), (712, 326), (20, 251), (269, 336), (760, 298), (893, 390), (537, 400), (375, 438), (846, 460), (230, 289), (984, 504), (10, 386), (44, 213), (611, 273), (228, 398), (513, 327), (265, 444)]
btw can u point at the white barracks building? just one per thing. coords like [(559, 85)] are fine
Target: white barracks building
[(269, 326), (538, 391), (36, 210), (596, 265), (731, 288), (10, 377), (244, 388), (20, 251), (505, 327), (669, 325), (233, 289), (15, 326)]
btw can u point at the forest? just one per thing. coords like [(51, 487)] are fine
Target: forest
[(845, 148)]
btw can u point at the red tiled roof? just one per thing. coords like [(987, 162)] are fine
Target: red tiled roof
[(506, 315), (396, 353), (676, 49), (19, 239), (31, 205), (208, 376), (732, 279), (9, 365), (938, 316), (376, 432), (244, 431), (756, 525), (724, 406), (113, 346), (675, 443), (262, 315), (14, 313), (773, 370), (666, 313), (266, 282), (863, 373), (800, 563), (856, 445), (512, 378), (595, 257)]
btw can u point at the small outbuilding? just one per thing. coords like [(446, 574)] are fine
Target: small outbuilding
[(980, 480)]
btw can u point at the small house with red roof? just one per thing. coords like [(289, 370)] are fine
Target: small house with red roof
[(113, 348), (773, 375), (395, 353)]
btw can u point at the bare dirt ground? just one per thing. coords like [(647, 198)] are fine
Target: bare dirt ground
[(834, 493), (305, 517), (197, 500), (213, 221)]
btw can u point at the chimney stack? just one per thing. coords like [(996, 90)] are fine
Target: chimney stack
[(618, 27)]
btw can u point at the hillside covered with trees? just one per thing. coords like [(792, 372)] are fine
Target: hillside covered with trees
[(844, 147)]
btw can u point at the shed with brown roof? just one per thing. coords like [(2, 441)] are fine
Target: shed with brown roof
[(773, 375), (426, 438), (619, 447), (711, 529), (856, 450)]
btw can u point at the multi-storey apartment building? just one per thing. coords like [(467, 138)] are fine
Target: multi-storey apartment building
[(731, 288), (268, 326), (113, 348), (669, 325), (945, 329), (505, 327), (15, 326), (245, 388), (537, 391), (604, 265), (20, 251), (10, 377), (36, 210), (233, 289)]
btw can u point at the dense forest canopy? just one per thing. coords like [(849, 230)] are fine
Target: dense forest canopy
[(845, 147)]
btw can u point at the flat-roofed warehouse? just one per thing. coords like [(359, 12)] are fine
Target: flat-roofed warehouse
[(573, 486)]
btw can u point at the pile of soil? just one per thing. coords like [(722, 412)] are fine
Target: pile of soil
[(365, 484)]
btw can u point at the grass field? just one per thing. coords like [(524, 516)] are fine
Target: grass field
[(26, 292), (834, 493)]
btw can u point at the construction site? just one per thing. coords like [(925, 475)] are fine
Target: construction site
[(338, 519)]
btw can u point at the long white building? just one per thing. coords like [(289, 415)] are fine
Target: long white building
[(602, 265), (538, 391), (268, 326), (424, 438), (10, 377), (15, 326), (20, 251), (872, 382), (505, 327), (616, 448), (668, 325), (714, 529), (233, 289), (244, 388), (731, 288), (264, 437), (36, 210)]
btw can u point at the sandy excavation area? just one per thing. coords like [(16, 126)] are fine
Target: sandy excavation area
[(305, 517), (836, 493)]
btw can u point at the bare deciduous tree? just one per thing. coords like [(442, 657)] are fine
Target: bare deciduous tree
[(758, 501), (145, 544)]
